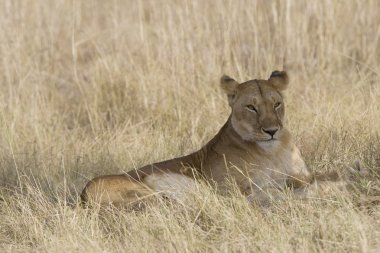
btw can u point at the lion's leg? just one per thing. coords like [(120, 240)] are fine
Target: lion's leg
[(321, 188), (118, 190), (327, 188)]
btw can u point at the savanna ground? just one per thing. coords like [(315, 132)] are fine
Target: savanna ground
[(99, 87)]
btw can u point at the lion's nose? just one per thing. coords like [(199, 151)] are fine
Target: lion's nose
[(270, 131)]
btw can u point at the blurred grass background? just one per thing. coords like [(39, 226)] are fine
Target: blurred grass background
[(98, 87)]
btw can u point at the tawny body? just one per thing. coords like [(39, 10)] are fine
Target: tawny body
[(252, 148)]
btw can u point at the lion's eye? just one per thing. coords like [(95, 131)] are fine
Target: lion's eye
[(251, 108), (277, 105)]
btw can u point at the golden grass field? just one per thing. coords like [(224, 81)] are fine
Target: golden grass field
[(98, 87)]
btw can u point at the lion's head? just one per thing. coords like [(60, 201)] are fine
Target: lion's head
[(257, 107)]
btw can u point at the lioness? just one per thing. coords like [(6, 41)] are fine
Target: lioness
[(253, 148)]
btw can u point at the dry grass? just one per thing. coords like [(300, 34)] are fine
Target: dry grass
[(99, 87)]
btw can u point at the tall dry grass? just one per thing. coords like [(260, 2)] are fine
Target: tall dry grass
[(98, 87)]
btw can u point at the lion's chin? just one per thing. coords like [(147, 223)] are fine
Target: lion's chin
[(268, 145)]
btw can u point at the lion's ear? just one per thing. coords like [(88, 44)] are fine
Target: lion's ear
[(279, 80), (229, 86)]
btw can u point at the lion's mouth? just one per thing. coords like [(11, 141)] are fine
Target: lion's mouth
[(270, 140)]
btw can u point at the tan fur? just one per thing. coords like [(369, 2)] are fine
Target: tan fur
[(115, 189), (243, 150)]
